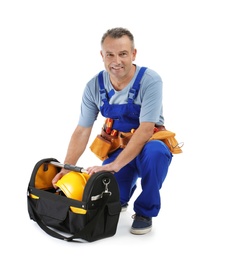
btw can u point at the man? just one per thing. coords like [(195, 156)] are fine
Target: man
[(131, 99)]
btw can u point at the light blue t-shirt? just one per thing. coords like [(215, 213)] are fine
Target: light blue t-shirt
[(149, 97)]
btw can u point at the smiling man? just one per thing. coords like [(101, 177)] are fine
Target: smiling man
[(129, 97)]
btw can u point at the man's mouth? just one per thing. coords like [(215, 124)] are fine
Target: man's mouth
[(117, 67)]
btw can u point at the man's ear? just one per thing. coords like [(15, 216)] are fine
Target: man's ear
[(134, 54)]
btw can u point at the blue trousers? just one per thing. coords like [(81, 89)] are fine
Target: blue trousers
[(151, 166)]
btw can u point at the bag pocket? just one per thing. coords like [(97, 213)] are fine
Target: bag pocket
[(57, 215), (112, 218), (101, 147), (107, 224)]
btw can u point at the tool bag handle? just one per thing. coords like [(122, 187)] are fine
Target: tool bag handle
[(70, 167), (83, 233)]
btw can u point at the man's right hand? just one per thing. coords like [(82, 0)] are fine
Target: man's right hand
[(58, 176)]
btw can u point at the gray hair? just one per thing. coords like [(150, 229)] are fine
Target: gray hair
[(118, 32)]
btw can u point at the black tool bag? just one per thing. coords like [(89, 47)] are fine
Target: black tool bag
[(96, 216)]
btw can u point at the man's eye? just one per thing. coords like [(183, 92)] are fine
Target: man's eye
[(123, 54)]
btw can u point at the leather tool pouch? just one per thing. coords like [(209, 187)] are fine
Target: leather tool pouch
[(169, 139), (101, 147), (105, 144)]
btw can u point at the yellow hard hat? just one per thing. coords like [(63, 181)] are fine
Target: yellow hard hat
[(72, 185)]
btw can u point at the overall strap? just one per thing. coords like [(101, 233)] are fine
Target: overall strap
[(133, 91), (135, 88), (103, 92)]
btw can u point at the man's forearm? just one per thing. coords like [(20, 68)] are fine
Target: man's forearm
[(133, 148), (77, 144)]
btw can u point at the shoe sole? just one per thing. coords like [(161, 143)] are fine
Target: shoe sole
[(140, 231)]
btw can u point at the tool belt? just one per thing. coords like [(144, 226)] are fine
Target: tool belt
[(106, 143)]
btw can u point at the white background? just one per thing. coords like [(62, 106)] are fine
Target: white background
[(48, 52)]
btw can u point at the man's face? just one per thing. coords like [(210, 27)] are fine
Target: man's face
[(118, 55)]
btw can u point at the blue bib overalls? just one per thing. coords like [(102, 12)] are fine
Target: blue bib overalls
[(151, 165)]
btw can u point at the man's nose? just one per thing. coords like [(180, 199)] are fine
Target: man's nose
[(117, 59)]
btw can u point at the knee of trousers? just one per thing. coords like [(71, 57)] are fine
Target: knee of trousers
[(156, 148)]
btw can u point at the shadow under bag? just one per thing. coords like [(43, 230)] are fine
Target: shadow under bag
[(94, 217)]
